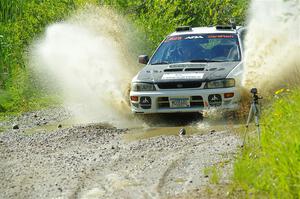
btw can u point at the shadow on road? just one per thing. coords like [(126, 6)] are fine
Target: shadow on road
[(171, 119)]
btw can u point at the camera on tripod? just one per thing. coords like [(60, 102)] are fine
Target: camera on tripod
[(254, 112), (255, 96)]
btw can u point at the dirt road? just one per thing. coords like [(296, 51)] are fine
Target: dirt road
[(40, 160)]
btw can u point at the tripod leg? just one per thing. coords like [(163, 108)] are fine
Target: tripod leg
[(248, 121), (256, 113), (249, 115)]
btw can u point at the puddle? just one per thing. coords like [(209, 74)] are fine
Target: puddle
[(201, 127), (138, 134)]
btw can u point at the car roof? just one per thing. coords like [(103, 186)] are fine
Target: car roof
[(205, 30)]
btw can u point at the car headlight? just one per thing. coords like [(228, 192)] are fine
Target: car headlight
[(223, 83), (142, 87)]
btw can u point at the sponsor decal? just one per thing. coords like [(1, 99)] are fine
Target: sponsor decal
[(175, 38), (145, 102), (209, 36), (194, 37), (220, 36), (170, 76), (215, 100)]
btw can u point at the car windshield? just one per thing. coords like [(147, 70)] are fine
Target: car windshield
[(198, 48)]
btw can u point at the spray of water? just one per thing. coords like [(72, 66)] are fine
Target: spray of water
[(273, 44), (90, 63)]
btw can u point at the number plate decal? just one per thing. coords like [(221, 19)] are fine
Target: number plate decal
[(179, 102)]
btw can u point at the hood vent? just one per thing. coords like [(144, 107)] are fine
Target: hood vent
[(181, 69), (194, 69), (173, 69)]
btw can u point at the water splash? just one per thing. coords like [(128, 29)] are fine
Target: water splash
[(90, 61), (273, 44)]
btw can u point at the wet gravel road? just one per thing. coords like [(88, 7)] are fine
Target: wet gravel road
[(97, 161)]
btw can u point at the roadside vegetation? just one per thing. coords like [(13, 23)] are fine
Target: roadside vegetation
[(271, 169), (158, 18)]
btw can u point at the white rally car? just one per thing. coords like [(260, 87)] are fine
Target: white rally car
[(193, 69)]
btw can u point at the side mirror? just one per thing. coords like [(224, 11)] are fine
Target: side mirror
[(143, 59)]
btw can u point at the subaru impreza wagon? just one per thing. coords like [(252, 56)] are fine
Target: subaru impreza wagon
[(192, 70)]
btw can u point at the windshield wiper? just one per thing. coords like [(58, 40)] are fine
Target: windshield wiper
[(158, 63), (204, 60)]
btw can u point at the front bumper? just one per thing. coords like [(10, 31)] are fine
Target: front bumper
[(200, 100)]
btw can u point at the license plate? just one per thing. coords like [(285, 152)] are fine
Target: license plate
[(179, 102)]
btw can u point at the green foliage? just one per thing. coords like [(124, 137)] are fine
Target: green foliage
[(273, 170), (21, 22), (158, 18)]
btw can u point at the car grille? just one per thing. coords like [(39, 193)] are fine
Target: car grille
[(195, 102), (179, 85)]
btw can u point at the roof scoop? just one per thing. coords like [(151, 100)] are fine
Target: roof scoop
[(183, 28)]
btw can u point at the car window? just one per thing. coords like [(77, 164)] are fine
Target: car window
[(198, 47)]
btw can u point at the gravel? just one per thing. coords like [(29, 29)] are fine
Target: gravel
[(96, 161)]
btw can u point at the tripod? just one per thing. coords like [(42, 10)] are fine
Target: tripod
[(253, 112)]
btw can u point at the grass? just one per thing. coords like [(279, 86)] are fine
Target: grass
[(213, 173), (272, 170), (35, 103)]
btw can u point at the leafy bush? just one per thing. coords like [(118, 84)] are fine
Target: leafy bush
[(158, 18)]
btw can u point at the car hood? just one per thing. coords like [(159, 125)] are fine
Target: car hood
[(185, 72)]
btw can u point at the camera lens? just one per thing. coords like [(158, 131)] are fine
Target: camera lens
[(253, 90)]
